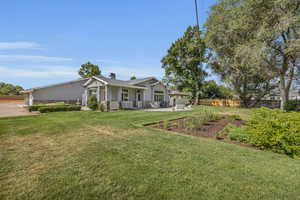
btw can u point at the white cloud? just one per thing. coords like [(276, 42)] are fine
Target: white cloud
[(18, 45), (48, 72), (33, 58)]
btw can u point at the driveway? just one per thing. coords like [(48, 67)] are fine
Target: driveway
[(12, 109)]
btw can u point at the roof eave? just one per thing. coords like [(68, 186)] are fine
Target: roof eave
[(128, 86)]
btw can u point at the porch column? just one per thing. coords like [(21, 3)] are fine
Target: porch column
[(86, 97), (98, 94), (31, 99), (120, 94), (106, 93), (144, 102)]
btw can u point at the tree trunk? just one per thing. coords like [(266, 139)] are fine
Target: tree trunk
[(284, 92), (197, 96)]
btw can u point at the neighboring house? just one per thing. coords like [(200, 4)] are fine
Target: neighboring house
[(294, 93), (138, 93)]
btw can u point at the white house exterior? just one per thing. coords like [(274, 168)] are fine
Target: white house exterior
[(139, 93), (131, 94)]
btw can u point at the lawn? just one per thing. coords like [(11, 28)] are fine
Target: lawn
[(93, 155)]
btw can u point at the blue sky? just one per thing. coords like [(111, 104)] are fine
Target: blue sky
[(45, 42)]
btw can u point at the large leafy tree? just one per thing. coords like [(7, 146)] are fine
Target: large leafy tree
[(212, 90), (88, 70), (256, 44), (133, 78), (225, 35), (9, 89), (185, 61)]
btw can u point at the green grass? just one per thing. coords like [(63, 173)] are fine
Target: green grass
[(93, 155)]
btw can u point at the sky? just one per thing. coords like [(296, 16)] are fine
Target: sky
[(45, 42)]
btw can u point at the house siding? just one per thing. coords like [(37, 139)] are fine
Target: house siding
[(69, 92)]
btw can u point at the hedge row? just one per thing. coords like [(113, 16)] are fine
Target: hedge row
[(35, 107), (55, 108), (273, 129)]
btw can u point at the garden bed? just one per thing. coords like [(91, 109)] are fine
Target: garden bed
[(200, 128)]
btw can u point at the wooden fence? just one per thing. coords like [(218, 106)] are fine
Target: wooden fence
[(8, 98), (220, 102)]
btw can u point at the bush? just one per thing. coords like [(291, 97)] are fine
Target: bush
[(59, 108), (102, 107), (92, 102), (275, 130), (36, 107), (292, 105)]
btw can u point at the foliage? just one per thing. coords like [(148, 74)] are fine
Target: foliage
[(102, 107), (166, 124), (88, 70), (59, 108), (211, 90), (36, 107), (292, 105), (184, 62), (253, 57), (133, 78), (9, 89), (234, 117), (276, 130), (92, 102), (238, 134)]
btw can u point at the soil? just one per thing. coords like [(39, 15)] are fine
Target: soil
[(207, 130)]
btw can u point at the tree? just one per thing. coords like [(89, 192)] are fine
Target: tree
[(88, 70), (133, 77), (9, 89), (184, 62), (235, 33), (212, 90)]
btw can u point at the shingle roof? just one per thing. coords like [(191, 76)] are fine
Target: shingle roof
[(140, 80), (116, 82)]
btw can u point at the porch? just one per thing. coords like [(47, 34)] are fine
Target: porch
[(116, 97)]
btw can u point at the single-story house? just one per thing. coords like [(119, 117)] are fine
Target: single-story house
[(138, 93)]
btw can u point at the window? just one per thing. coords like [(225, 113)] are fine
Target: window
[(158, 96), (125, 95)]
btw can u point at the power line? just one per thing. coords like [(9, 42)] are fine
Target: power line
[(197, 16)]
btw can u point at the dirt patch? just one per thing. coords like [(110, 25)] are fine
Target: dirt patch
[(208, 129)]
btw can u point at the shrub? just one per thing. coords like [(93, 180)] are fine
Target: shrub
[(166, 124), (36, 107), (102, 107), (275, 130), (92, 102), (59, 108), (292, 105)]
